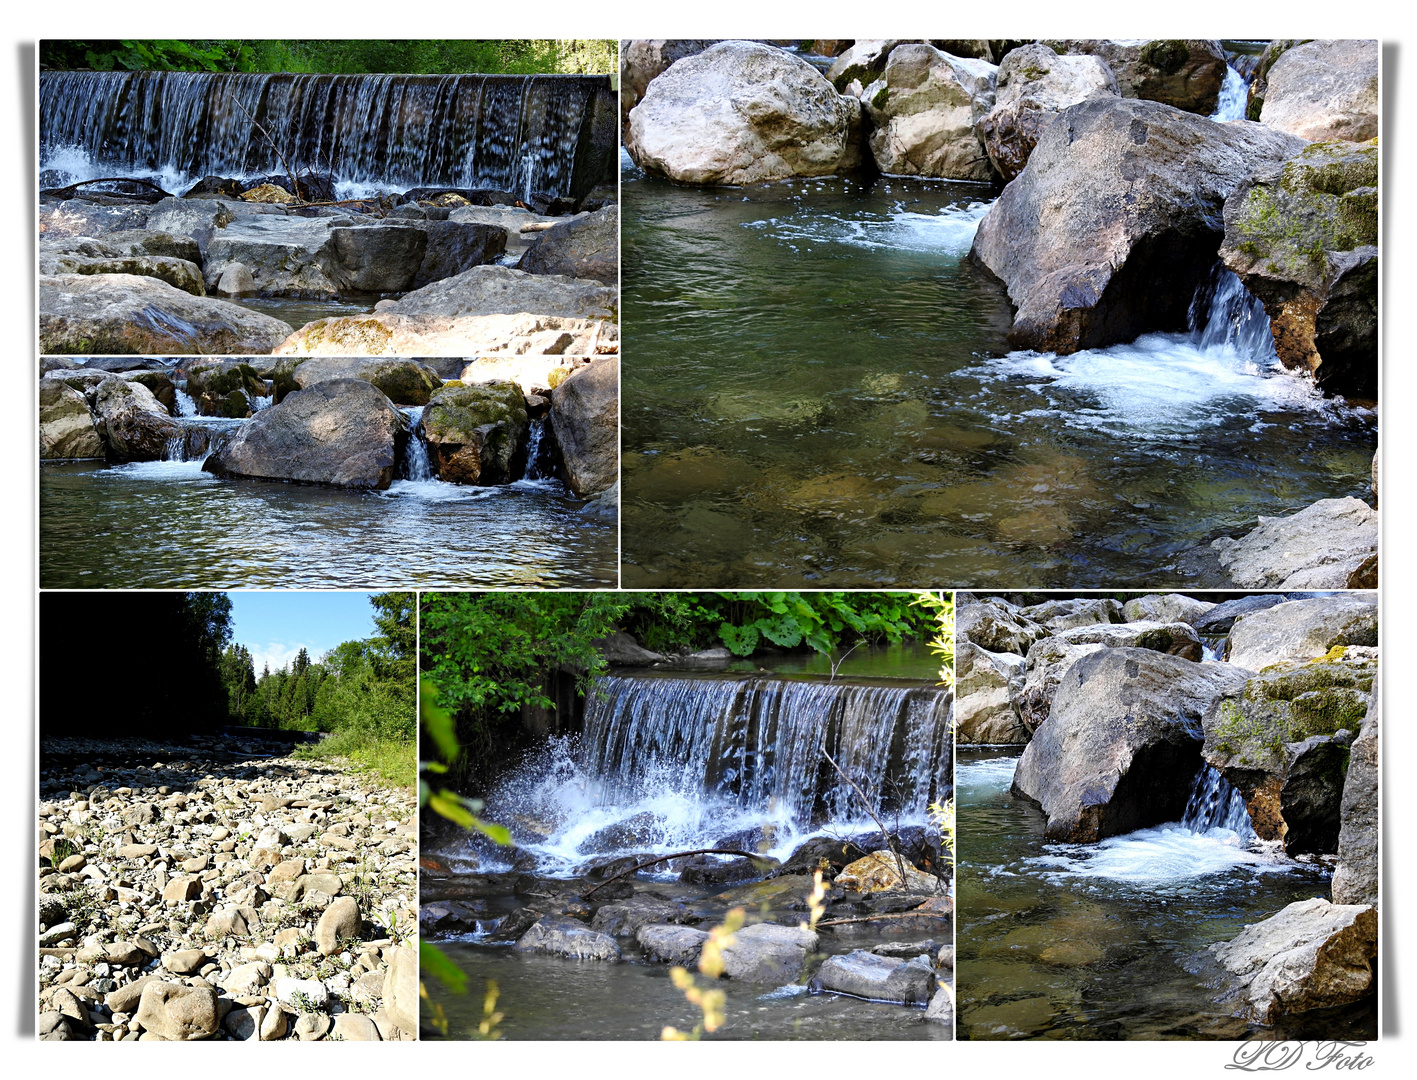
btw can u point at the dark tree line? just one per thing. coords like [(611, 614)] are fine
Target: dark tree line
[(167, 666)]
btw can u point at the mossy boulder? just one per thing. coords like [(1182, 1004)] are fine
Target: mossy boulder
[(1283, 742), (223, 387), (1305, 244), (476, 434), (404, 382)]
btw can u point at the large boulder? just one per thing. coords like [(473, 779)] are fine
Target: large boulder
[(996, 625), (1166, 608), (987, 686), (1311, 955), (456, 246), (475, 434), (1048, 660), (569, 938), (768, 953), (1302, 630), (285, 256), (1055, 616), (1321, 547), (862, 63), (1305, 244), (1355, 878), (586, 247), (1122, 742), (66, 427), (85, 256), (743, 113), (404, 382), (1114, 224), (79, 217), (133, 424), (1176, 638), (501, 290), (377, 258), (1221, 617), (509, 220), (1034, 85), (643, 60), (877, 978), (126, 313), (922, 112), (1186, 74), (199, 220), (343, 432), (1324, 90), (1282, 741), (389, 334), (585, 415)]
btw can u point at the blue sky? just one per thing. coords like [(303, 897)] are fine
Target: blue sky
[(275, 625)]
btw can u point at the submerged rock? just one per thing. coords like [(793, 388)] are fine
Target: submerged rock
[(125, 313), (743, 113), (878, 978), (475, 434), (343, 432), (1321, 547), (1034, 85), (1302, 630), (1122, 742), (585, 415), (923, 109), (569, 938), (1324, 90), (1305, 244), (1311, 955), (1114, 224)]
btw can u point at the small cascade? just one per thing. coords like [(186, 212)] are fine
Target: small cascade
[(1234, 93), (759, 743), (186, 406), (264, 401), (1224, 314), (1216, 804), (533, 449), (470, 131), (414, 464), (175, 449)]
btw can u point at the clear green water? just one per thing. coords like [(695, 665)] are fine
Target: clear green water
[(168, 525), (1050, 946), (818, 392)]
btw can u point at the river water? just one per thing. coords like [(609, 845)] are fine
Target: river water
[(1107, 940), (823, 395), (167, 524)]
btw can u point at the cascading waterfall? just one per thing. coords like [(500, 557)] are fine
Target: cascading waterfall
[(1234, 93), (415, 465), (471, 131), (759, 742), (1216, 804), (186, 406), (1225, 314), (533, 449)]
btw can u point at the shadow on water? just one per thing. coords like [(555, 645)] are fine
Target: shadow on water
[(1108, 941), (823, 393)]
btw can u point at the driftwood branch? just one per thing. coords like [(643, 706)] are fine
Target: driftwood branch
[(865, 802), (294, 184), (72, 189), (877, 918), (666, 858)]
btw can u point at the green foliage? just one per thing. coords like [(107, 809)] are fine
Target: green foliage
[(345, 56), (942, 642)]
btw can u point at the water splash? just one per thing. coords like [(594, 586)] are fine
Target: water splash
[(949, 232), (675, 762), (186, 406), (370, 130), (1216, 804)]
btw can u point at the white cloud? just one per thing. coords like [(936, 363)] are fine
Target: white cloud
[(276, 654)]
